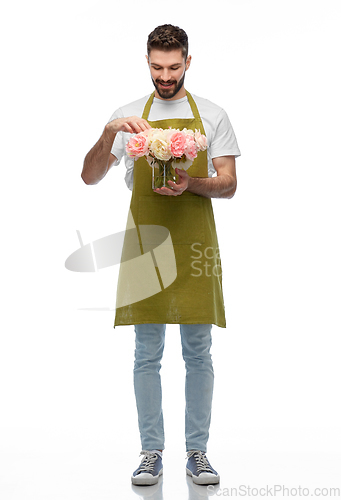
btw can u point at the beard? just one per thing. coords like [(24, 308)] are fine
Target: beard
[(165, 93)]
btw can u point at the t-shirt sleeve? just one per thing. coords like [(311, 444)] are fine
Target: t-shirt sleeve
[(224, 142), (118, 147)]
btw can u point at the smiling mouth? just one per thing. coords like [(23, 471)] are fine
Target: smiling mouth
[(165, 85)]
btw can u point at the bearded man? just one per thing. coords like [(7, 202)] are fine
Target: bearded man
[(194, 300)]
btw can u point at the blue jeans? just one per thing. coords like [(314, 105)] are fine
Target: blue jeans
[(196, 343)]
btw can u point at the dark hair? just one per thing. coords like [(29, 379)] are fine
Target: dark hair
[(168, 37)]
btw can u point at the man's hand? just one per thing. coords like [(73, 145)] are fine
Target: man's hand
[(99, 159), (224, 185), (132, 124), (177, 187)]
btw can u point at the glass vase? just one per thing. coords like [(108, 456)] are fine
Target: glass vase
[(162, 172)]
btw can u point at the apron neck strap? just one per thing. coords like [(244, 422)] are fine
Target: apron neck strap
[(148, 105), (193, 106), (191, 101)]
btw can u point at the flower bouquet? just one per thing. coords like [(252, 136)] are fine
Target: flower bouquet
[(165, 147)]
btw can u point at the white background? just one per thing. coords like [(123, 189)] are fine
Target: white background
[(68, 421)]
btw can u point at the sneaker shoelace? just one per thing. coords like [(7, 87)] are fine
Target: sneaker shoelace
[(201, 461), (148, 462)]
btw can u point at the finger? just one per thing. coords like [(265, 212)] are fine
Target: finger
[(127, 128), (147, 124), (174, 191), (180, 171), (144, 125), (134, 128), (177, 187), (138, 126), (164, 191)]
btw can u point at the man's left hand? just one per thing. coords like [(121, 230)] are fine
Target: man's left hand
[(177, 187)]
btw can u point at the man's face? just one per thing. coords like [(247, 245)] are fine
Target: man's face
[(167, 70)]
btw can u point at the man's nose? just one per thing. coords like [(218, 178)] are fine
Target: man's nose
[(165, 76)]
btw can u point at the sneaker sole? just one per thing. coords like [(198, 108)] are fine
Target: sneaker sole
[(204, 478), (146, 479)]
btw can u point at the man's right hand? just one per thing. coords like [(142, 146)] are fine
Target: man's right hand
[(132, 125), (99, 159)]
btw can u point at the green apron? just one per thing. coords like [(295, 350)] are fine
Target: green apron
[(170, 269)]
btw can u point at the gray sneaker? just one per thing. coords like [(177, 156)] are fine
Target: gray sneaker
[(150, 469), (200, 468)]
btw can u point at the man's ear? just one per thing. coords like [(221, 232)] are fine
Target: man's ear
[(188, 62), (147, 60)]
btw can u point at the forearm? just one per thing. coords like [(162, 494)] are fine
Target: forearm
[(221, 186), (96, 161)]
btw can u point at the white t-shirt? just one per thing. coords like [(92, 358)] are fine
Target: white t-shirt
[(221, 140)]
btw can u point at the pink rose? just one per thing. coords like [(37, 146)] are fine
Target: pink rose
[(137, 145), (200, 140), (190, 149), (177, 144)]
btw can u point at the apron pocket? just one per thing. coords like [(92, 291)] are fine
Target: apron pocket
[(182, 215)]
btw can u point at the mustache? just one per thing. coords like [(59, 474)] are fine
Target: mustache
[(165, 83)]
